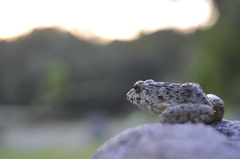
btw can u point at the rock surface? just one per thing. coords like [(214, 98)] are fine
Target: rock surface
[(229, 128), (175, 141)]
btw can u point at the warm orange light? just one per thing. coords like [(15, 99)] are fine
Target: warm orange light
[(120, 19)]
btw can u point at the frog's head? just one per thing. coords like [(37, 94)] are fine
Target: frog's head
[(140, 95)]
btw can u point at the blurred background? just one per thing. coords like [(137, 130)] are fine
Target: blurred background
[(66, 66)]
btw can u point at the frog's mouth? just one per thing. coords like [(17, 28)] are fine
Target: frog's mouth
[(129, 95), (136, 99), (142, 103), (133, 97)]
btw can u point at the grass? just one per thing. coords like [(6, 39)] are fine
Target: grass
[(49, 154)]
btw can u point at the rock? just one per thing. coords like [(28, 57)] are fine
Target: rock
[(171, 141), (229, 128)]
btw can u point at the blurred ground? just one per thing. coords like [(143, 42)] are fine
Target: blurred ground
[(80, 137)]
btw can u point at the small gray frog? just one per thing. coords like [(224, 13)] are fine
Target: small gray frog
[(176, 102)]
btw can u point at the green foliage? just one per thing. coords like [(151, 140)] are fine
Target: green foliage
[(52, 85), (219, 62), (53, 67)]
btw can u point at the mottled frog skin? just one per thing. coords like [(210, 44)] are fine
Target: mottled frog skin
[(176, 102)]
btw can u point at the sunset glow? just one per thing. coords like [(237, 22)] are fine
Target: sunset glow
[(106, 19)]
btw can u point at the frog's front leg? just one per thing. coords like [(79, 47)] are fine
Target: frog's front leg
[(195, 113)]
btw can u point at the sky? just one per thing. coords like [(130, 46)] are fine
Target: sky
[(106, 19)]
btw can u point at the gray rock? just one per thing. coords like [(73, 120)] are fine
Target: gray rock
[(229, 128), (171, 141)]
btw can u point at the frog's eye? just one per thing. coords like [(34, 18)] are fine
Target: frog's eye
[(137, 88)]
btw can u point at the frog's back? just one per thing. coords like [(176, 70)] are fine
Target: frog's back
[(177, 93)]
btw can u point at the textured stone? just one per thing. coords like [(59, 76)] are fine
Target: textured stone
[(173, 141), (229, 128)]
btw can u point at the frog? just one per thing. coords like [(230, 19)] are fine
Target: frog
[(176, 102)]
